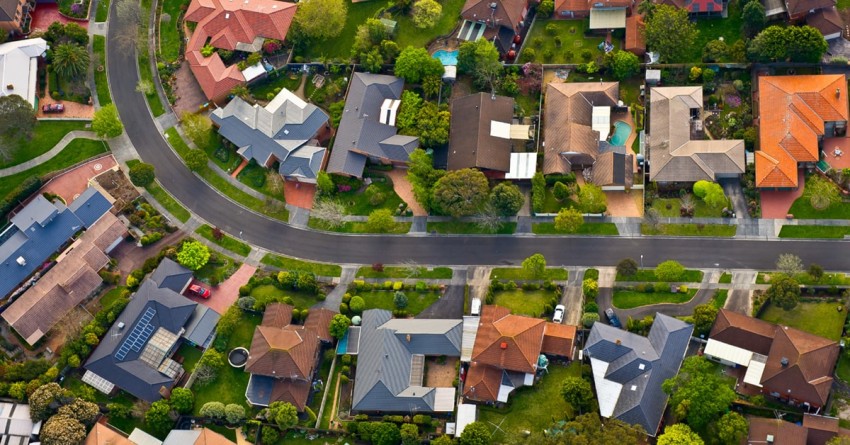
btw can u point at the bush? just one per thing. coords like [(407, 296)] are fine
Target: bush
[(591, 307), (357, 304), (142, 174), (269, 435), (661, 287), (627, 267)]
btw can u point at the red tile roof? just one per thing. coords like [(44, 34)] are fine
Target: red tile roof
[(508, 341), (635, 41), (558, 339), (482, 382)]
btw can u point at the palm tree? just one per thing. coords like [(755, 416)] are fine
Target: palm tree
[(70, 60)]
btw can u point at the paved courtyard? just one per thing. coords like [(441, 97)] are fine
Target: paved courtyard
[(47, 13), (70, 184)]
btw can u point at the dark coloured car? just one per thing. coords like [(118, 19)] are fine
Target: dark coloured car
[(53, 108), (613, 320)]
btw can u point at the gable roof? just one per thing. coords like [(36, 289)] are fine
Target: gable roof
[(792, 114), (675, 157), (471, 143), (558, 339), (171, 275), (629, 369), (796, 7), (508, 13), (19, 60), (361, 134), (743, 332), (508, 341), (390, 375)]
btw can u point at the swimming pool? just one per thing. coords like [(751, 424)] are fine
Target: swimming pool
[(447, 57), (622, 131)]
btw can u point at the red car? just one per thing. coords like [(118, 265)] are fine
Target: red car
[(200, 291), (53, 108)]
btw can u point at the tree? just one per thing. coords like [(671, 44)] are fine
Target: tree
[(670, 32), (324, 184), (546, 8), (821, 193), (213, 410), (381, 221), (432, 125), (461, 192), (106, 123), (646, 8), (321, 19), (578, 393), (627, 267), (415, 64), (431, 85), (623, 64), (698, 394), (669, 271), (704, 316), (330, 211), (196, 126), (339, 326), (386, 433), (182, 400), (62, 430), (732, 427), (70, 60), (568, 220), (369, 35), (715, 51), (410, 434), (789, 264), (794, 43), (592, 199), (784, 292), (234, 413), (422, 176), (754, 18), (400, 300), (715, 197), (590, 288), (506, 198), (45, 400), (680, 434), (426, 13), (357, 304), (193, 255), (480, 58), (141, 174), (588, 318), (146, 87), (475, 433), (158, 419), (815, 271), (839, 440), (283, 414), (535, 265), (196, 160), (81, 410), (17, 117)]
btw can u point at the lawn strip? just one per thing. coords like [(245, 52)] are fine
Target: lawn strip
[(585, 229), (629, 298), (228, 242), (470, 228), (805, 231), (405, 272), (518, 273), (713, 230), (100, 81), (327, 270)]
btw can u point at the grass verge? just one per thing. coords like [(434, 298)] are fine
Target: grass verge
[(716, 230), (646, 275), (522, 302), (725, 278), (719, 298), (585, 229), (228, 242), (518, 273), (166, 200), (102, 12), (100, 81), (627, 298), (358, 227), (469, 228), (145, 68), (326, 270), (444, 273), (833, 232)]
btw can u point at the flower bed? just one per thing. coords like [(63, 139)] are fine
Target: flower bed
[(75, 9)]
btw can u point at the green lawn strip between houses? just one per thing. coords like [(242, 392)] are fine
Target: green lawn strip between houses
[(713, 230), (629, 298), (585, 229), (647, 275), (45, 135), (228, 242), (166, 200), (819, 318), (169, 29), (518, 273), (77, 151), (404, 272), (326, 270), (102, 11), (100, 81), (725, 278), (469, 228), (836, 232)]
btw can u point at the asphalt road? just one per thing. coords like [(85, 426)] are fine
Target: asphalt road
[(452, 250)]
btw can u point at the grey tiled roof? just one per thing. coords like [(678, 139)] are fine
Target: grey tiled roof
[(90, 206), (171, 275), (303, 164), (201, 325), (640, 365)]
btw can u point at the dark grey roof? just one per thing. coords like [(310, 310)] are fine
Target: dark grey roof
[(39, 211), (8, 8), (170, 275), (90, 206), (639, 365), (384, 360), (201, 326), (259, 391), (303, 164), (361, 130), (162, 308)]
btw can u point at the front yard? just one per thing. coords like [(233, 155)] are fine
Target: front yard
[(628, 298), (716, 230), (270, 293), (585, 229), (527, 302), (416, 301), (819, 318), (45, 135), (669, 208), (646, 275), (518, 273), (562, 41)]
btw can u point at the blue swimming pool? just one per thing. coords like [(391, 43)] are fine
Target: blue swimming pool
[(447, 57), (622, 131)]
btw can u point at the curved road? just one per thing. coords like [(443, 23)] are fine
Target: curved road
[(454, 250)]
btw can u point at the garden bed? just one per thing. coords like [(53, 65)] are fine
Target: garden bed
[(217, 269), (669, 208), (629, 298), (444, 273), (72, 90), (819, 318)]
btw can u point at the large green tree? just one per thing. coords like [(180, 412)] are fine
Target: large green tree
[(182, 400), (480, 59), (680, 434), (704, 316), (283, 414), (821, 193), (426, 13), (45, 400), (698, 394), (415, 64), (141, 174), (670, 32), (62, 430), (568, 220), (753, 18), (381, 221), (70, 60), (158, 420), (17, 119), (461, 192), (422, 176), (475, 433), (369, 35), (106, 123), (507, 198), (578, 393), (339, 325), (731, 428), (591, 199), (535, 265), (193, 255), (784, 291), (426, 120), (669, 271), (321, 19), (792, 43), (386, 433), (623, 64)]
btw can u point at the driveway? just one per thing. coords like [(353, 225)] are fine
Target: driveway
[(227, 292), (740, 297), (450, 305), (703, 295), (732, 188), (572, 298)]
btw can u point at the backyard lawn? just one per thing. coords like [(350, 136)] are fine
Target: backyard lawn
[(814, 231), (718, 230), (711, 29), (525, 302), (271, 292), (405, 272), (228, 242), (669, 208), (646, 275), (45, 135), (585, 229), (416, 301), (468, 227), (573, 41), (819, 318), (630, 298), (282, 79), (77, 151), (532, 408), (190, 355), (518, 273), (326, 270)]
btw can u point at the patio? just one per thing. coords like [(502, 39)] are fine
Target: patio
[(775, 203), (836, 152), (47, 13)]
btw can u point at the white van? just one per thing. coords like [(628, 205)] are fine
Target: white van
[(476, 306)]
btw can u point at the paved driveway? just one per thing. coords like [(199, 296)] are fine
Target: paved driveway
[(227, 292)]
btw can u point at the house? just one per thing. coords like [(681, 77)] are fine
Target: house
[(135, 353), (196, 436), (482, 133), (499, 21), (796, 113), (506, 352), (232, 26), (699, 8), (827, 21), (578, 134), (287, 131), (16, 16), (605, 15), (635, 39), (628, 369), (39, 230), (68, 283), (788, 364), (367, 128), (391, 354), (284, 357), (103, 434), (815, 430), (820, 14), (15, 423), (19, 66), (676, 151)]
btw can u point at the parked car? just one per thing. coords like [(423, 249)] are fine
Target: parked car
[(53, 108), (559, 314), (613, 320), (200, 291)]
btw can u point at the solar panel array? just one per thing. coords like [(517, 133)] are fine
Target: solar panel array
[(139, 335)]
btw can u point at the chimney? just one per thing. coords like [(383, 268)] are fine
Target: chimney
[(837, 93), (784, 362), (504, 345)]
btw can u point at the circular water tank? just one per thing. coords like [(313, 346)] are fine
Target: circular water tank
[(355, 320)]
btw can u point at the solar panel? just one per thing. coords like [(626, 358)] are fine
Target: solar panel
[(138, 336)]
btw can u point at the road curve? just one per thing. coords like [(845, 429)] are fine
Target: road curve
[(276, 236)]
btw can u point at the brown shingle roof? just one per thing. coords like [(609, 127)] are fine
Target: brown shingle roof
[(318, 320), (572, 5), (558, 339), (797, 7), (470, 142), (635, 42), (744, 332), (826, 20), (784, 433), (808, 374), (482, 382), (508, 12), (508, 341)]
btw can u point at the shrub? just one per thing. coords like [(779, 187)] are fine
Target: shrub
[(343, 309), (627, 267), (357, 304), (142, 174), (269, 435), (661, 287), (683, 289), (591, 307), (398, 285)]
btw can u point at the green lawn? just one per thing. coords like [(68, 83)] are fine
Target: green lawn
[(725, 278), (525, 302), (828, 279), (531, 408), (719, 298), (711, 29), (190, 355), (821, 319), (228, 242), (409, 35), (627, 298), (669, 207), (102, 11), (714, 230), (278, 79), (218, 268), (814, 231), (169, 29), (552, 205), (256, 177), (572, 43), (145, 68), (45, 135), (802, 209), (585, 229), (416, 301), (271, 292), (211, 143), (518, 273), (230, 385), (471, 228), (356, 202), (171, 205), (404, 272), (357, 227), (327, 270), (111, 296), (101, 84), (77, 151), (647, 275), (843, 370)]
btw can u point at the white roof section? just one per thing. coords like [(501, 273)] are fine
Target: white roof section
[(140, 437), (729, 353), (19, 67), (607, 392), (500, 129), (523, 166), (285, 96), (504, 393), (466, 414), (601, 121), (182, 437), (253, 72), (389, 110), (470, 331), (607, 18), (15, 423), (755, 370), (444, 400), (99, 383), (653, 75)]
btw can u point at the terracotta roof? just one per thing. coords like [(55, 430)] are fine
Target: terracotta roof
[(821, 428), (482, 382), (231, 25), (210, 437), (277, 315), (508, 12), (635, 42), (318, 320), (572, 5), (295, 392), (101, 434), (797, 7), (508, 341), (810, 363), (792, 113), (826, 20), (744, 332), (558, 339), (470, 143), (784, 433), (282, 352)]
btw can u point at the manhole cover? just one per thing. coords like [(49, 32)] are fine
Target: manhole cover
[(98, 167)]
